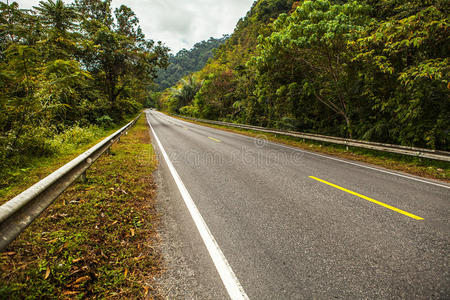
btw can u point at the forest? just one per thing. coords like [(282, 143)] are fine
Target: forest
[(187, 61), (67, 73), (371, 70)]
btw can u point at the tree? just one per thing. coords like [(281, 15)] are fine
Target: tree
[(313, 40), (20, 110), (118, 55), (405, 65), (187, 61), (183, 94), (68, 65), (373, 70), (57, 15)]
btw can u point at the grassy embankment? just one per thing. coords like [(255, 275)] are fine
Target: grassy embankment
[(413, 165), (66, 147), (97, 238)]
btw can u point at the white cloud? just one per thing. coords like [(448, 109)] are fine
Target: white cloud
[(181, 24)]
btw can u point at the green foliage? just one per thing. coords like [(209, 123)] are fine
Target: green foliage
[(97, 239), (215, 98), (68, 65), (105, 121), (406, 73), (374, 70), (40, 145), (183, 94), (314, 39), (187, 61), (76, 136)]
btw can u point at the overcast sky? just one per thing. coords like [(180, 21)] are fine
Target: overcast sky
[(181, 23)]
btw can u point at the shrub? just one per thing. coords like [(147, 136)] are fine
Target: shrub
[(105, 121)]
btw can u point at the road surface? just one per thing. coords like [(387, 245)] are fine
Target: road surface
[(292, 224)]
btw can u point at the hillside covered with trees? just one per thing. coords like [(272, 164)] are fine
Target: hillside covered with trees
[(66, 72), (187, 61), (372, 70)]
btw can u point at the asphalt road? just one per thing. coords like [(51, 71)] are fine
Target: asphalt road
[(294, 224)]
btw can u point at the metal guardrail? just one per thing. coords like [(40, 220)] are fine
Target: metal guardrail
[(405, 150), (19, 212)]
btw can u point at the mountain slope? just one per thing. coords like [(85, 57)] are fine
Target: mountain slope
[(373, 70), (187, 61)]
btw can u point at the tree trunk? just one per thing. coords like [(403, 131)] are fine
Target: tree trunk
[(349, 128)]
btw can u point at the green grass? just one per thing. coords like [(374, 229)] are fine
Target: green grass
[(413, 165), (66, 146), (97, 239)]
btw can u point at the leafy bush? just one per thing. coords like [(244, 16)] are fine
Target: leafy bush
[(189, 110), (74, 137), (105, 121), (37, 143)]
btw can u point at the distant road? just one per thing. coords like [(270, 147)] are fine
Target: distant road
[(293, 224)]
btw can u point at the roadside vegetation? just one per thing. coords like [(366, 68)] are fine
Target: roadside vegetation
[(66, 146), (97, 239), (413, 165), (68, 74), (369, 70)]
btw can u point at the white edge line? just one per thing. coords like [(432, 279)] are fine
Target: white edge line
[(332, 158), (229, 279)]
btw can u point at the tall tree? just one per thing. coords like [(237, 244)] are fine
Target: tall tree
[(314, 39), (65, 65), (118, 54)]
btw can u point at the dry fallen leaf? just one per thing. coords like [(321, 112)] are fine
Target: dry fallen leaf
[(146, 290), (11, 253), (76, 260), (80, 280), (70, 293), (47, 273), (62, 247), (76, 271)]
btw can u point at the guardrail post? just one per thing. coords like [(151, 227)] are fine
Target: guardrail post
[(83, 177), (108, 150)]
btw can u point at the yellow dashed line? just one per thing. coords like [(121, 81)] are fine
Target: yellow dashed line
[(216, 140)]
